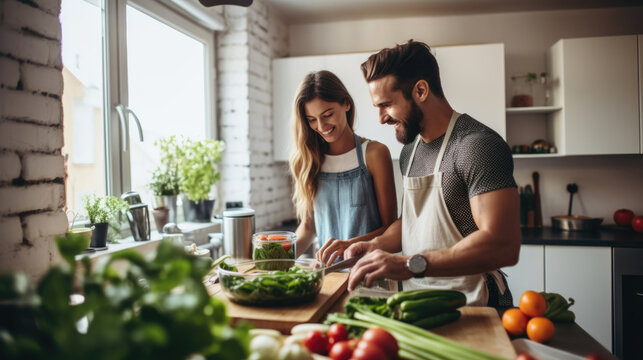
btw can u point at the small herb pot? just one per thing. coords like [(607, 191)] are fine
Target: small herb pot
[(99, 236)]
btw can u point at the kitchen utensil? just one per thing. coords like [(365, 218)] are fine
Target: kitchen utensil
[(252, 286), (340, 265), (538, 216), (571, 222), (237, 228), (273, 245), (138, 216), (572, 189)]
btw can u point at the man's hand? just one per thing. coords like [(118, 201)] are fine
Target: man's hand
[(378, 264), (331, 250)]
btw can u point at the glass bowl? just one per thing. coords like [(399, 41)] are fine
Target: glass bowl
[(273, 245), (297, 281)]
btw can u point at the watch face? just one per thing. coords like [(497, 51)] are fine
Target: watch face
[(417, 264)]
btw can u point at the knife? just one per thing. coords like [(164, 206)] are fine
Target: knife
[(341, 265)]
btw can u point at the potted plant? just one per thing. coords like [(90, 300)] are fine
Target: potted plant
[(101, 210), (198, 174), (166, 182), (159, 308)]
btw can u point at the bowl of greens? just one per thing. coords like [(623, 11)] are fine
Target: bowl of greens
[(249, 283), (270, 245)]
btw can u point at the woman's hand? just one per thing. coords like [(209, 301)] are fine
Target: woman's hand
[(331, 250)]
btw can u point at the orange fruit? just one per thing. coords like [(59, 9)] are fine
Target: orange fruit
[(540, 329), (514, 321), (532, 303)]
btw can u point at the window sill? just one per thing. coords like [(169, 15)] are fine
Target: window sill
[(198, 232)]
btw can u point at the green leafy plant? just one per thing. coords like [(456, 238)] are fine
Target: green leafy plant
[(197, 167), (165, 181), (165, 178), (157, 309), (102, 209)]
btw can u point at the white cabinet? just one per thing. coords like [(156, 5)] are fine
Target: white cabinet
[(640, 38), (585, 274), (528, 273), (596, 82), (473, 79)]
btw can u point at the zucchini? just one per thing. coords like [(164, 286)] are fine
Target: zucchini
[(420, 294), (438, 320), (413, 310)]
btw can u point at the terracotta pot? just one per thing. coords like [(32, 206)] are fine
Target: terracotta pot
[(161, 217)]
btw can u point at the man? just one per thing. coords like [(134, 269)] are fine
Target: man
[(460, 208)]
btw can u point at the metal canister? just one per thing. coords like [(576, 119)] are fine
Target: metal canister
[(237, 228)]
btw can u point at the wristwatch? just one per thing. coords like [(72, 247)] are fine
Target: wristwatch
[(417, 265)]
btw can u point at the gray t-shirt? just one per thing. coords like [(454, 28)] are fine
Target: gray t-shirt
[(476, 160)]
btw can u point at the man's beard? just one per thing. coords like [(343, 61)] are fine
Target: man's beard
[(410, 127)]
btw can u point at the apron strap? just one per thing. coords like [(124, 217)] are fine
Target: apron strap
[(358, 148), (447, 136)]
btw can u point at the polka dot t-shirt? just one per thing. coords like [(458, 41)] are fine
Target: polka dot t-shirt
[(476, 160)]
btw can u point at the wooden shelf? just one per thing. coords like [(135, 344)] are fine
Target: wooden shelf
[(533, 110), (537, 155)]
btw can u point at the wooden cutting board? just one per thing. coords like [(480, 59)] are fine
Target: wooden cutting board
[(479, 328), (284, 318)]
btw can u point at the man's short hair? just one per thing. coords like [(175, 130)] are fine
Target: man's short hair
[(408, 63)]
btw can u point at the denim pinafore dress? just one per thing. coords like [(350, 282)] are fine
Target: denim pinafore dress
[(345, 205)]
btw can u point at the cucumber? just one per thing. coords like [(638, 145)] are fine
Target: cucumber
[(420, 294), (413, 310), (438, 320)]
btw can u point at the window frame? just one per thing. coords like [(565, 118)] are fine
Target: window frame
[(118, 169)]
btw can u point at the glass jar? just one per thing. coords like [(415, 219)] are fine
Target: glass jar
[(273, 245), (522, 90)]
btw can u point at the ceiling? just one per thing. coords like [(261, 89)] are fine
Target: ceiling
[(316, 11)]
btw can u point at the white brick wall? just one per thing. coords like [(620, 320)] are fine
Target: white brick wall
[(32, 194), (255, 36)]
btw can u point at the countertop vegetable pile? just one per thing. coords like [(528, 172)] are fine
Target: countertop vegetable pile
[(294, 285), (414, 342)]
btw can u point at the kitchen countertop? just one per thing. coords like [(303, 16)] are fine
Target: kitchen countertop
[(608, 235)]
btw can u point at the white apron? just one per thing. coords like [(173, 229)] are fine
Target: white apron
[(427, 225)]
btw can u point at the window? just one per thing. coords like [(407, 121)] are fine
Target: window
[(145, 57)]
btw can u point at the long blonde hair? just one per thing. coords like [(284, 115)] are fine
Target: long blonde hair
[(310, 147)]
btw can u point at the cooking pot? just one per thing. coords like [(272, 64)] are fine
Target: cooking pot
[(575, 223), (571, 222)]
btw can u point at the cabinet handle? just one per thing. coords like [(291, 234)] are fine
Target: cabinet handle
[(639, 294)]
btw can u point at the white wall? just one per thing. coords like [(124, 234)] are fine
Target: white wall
[(245, 49), (32, 190), (606, 183)]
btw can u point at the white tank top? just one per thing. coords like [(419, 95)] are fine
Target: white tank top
[(343, 162)]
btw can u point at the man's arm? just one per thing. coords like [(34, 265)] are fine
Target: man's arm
[(495, 244)]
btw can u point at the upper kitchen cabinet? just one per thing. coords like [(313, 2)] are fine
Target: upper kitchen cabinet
[(596, 82), (473, 80)]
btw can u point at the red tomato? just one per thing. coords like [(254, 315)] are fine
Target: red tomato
[(369, 351), (592, 356), (316, 342), (623, 217), (382, 339), (286, 245), (637, 223), (342, 350), (336, 333), (524, 356)]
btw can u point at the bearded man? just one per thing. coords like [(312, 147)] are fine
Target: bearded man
[(460, 207)]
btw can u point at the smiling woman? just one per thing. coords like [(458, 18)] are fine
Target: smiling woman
[(344, 188)]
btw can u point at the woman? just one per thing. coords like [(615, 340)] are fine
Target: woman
[(344, 187)]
